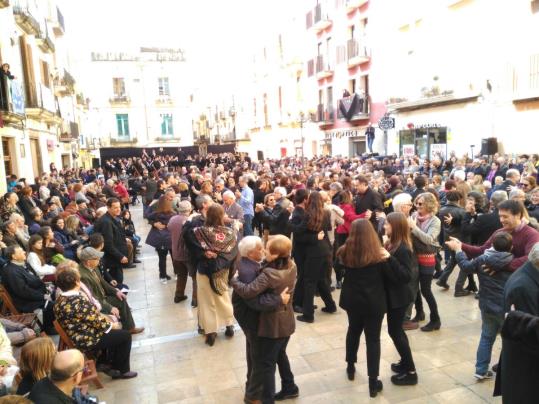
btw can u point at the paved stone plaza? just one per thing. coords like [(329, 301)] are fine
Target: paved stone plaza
[(175, 366)]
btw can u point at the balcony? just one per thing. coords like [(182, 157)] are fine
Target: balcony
[(59, 27), (321, 19), (44, 41), (164, 100), (4, 3), (352, 5), (357, 54), (24, 18), (123, 141), (168, 139), (70, 132), (64, 85), (353, 108), (325, 115), (42, 106), (323, 69), (120, 100), (12, 101)]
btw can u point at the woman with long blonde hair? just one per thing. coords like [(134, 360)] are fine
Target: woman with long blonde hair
[(35, 363)]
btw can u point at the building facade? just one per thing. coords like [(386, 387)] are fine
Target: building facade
[(139, 99), (38, 125)]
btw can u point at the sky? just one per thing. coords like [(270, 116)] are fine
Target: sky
[(217, 35)]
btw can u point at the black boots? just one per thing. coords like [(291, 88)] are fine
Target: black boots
[(375, 387), (419, 316), (351, 371), (433, 325)]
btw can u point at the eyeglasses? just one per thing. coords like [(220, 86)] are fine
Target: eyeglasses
[(419, 204)]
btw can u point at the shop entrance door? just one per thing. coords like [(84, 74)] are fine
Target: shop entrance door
[(358, 148), (422, 145), (37, 163)]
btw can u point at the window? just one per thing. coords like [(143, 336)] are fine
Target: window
[(164, 89), (122, 122), (45, 75), (118, 86), (266, 118), (166, 125)]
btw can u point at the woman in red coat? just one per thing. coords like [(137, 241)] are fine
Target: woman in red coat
[(122, 192), (341, 232)]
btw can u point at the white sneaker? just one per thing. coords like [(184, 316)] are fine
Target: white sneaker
[(164, 281), (484, 376)]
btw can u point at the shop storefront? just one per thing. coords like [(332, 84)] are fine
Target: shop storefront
[(424, 140), (348, 142)]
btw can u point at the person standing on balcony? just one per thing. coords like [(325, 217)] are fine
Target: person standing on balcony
[(369, 133), (4, 90)]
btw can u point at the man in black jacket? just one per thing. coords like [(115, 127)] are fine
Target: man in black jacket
[(277, 219), (367, 199), (116, 251), (479, 227), (26, 289)]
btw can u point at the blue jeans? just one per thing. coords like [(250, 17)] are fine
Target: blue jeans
[(490, 327), (247, 225)]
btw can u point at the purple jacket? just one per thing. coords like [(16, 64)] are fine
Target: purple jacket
[(159, 238), (175, 228)]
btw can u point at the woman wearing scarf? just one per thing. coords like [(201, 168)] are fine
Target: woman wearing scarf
[(425, 227), (215, 249)]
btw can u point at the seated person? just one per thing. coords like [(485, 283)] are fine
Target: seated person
[(27, 291), (36, 259), (18, 333), (35, 224), (97, 241), (68, 242), (61, 386), (35, 363), (88, 329), (52, 250), (112, 300)]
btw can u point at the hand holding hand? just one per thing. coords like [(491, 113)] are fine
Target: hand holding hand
[(124, 260), (115, 312), (210, 254), (285, 296), (368, 214), (238, 194), (120, 295), (385, 253), (454, 244)]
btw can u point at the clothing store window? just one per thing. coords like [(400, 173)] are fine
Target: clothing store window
[(425, 142)]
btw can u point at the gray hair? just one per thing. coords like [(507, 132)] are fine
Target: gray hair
[(219, 181), (15, 216), (335, 186), (229, 194), (248, 244), (401, 199), (101, 211), (201, 200), (280, 190), (533, 256), (487, 184), (498, 197), (110, 182), (515, 193), (512, 172), (459, 175)]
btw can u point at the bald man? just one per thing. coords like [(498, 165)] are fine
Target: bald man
[(66, 374)]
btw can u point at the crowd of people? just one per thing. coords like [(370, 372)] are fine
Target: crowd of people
[(278, 233)]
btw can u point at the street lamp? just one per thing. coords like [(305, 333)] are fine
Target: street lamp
[(302, 119)]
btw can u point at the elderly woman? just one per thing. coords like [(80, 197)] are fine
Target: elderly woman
[(214, 248), (425, 226), (247, 311), (90, 330), (274, 327)]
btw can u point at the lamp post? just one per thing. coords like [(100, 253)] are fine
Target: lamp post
[(301, 121)]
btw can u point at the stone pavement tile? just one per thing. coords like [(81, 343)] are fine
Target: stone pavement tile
[(462, 372), (396, 394), (210, 383), (325, 360), (147, 395), (307, 345), (485, 389), (178, 389), (458, 395), (311, 384), (336, 340), (435, 381)]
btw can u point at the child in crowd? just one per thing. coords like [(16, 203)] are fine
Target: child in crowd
[(492, 278)]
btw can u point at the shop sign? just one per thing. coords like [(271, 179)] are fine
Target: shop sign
[(386, 123), (438, 149), (408, 150), (427, 126), (344, 133)]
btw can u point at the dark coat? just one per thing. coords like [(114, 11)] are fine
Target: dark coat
[(479, 228), (115, 244), (363, 290), (27, 204), (109, 192), (397, 278), (453, 229), (26, 289), (45, 392), (491, 285), (277, 219), (279, 323), (370, 200), (159, 238), (520, 334)]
